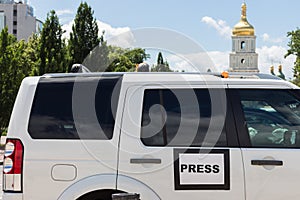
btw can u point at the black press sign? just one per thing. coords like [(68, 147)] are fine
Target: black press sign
[(196, 169)]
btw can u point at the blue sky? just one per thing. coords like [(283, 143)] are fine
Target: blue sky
[(206, 22)]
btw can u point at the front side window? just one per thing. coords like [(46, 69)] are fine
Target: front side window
[(182, 117), (272, 116)]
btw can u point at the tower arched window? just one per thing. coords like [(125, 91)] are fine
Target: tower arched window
[(243, 61), (243, 45)]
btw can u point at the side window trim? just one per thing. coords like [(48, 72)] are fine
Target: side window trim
[(163, 118), (239, 119), (230, 123)]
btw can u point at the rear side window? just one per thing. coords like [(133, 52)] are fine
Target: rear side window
[(68, 108), (182, 117)]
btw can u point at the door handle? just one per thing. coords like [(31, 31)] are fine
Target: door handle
[(145, 161), (267, 162)]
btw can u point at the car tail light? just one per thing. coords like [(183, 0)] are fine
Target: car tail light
[(13, 166)]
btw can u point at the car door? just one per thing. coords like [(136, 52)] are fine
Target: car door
[(177, 142), (268, 123)]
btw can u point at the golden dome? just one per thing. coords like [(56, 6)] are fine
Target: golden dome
[(243, 28)]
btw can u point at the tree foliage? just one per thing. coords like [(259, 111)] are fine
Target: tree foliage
[(161, 65), (32, 54), (160, 59), (123, 60), (84, 36), (13, 68), (52, 51), (294, 49), (137, 55)]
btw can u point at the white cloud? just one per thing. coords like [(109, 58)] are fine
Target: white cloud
[(180, 64), (274, 55), (199, 62), (220, 25), (267, 38), (64, 12), (220, 59), (118, 36), (109, 30)]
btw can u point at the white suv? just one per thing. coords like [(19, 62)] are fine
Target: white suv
[(161, 135)]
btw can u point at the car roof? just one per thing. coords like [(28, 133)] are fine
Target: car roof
[(254, 80)]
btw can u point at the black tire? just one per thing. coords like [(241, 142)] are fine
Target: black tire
[(99, 195)]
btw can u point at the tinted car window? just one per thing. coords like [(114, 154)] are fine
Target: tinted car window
[(171, 117), (67, 109), (272, 117)]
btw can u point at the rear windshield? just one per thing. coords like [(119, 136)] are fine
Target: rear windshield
[(75, 108)]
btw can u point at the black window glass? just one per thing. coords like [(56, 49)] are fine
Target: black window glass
[(272, 116), (58, 114), (180, 117)]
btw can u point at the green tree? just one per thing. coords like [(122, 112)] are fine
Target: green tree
[(294, 49), (5, 84), (32, 54), (121, 64), (161, 65), (124, 60), (160, 59), (84, 36), (14, 66), (52, 50), (137, 55)]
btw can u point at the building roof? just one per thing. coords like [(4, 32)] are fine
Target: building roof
[(243, 27)]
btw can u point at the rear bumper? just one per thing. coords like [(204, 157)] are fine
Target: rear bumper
[(12, 196)]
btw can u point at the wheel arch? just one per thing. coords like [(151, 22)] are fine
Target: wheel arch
[(89, 184), (104, 182)]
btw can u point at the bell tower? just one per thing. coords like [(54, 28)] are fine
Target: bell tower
[(243, 57)]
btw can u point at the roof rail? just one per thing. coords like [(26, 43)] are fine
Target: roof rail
[(79, 68), (240, 75)]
